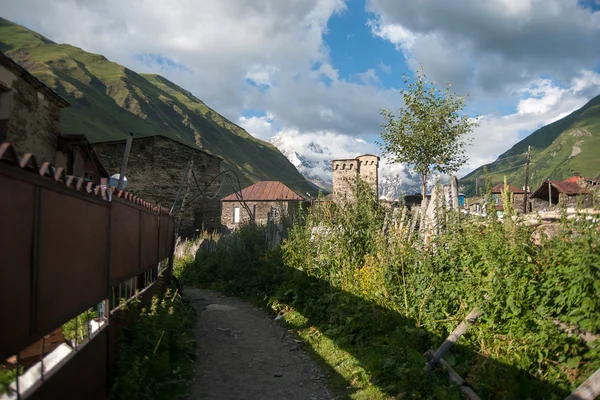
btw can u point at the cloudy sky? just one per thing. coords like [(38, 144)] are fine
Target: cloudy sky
[(324, 68)]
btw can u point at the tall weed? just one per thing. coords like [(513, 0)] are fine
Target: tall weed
[(353, 274)]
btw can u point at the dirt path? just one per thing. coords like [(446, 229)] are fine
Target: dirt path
[(244, 354)]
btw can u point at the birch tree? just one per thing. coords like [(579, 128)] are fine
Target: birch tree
[(429, 131)]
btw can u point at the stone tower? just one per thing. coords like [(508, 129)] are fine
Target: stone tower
[(346, 172), (368, 169)]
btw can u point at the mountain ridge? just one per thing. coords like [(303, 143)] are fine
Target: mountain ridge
[(109, 100), (558, 150)]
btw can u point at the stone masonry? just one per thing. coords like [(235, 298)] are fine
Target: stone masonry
[(347, 171), (29, 112), (155, 169), (260, 209)]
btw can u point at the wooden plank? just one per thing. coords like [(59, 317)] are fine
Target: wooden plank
[(454, 336), (588, 390), (467, 392)]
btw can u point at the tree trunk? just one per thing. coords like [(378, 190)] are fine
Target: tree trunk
[(423, 188)]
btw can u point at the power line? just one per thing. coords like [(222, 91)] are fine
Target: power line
[(506, 158)]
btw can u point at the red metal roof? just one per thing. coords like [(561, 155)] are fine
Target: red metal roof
[(569, 186), (500, 187), (265, 191)]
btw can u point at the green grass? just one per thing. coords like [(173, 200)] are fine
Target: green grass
[(552, 146), (355, 378), (108, 101)]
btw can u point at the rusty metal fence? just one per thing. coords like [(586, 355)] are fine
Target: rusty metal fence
[(68, 247)]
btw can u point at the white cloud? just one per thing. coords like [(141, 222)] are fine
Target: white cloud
[(491, 46), (261, 75), (386, 69), (269, 55), (229, 46), (542, 102), (260, 127)]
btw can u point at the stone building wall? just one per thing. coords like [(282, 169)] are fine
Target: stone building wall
[(368, 169), (261, 210), (347, 171), (29, 113), (155, 169)]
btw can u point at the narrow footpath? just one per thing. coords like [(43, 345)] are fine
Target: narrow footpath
[(243, 354)]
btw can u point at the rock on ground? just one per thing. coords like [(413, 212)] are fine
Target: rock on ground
[(244, 354)]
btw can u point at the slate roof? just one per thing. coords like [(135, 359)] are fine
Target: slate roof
[(500, 187), (266, 191), (160, 136)]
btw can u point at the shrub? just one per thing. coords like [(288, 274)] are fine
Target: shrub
[(156, 351), (350, 272)]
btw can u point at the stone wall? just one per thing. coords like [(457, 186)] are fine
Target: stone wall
[(155, 169), (29, 119), (347, 171), (260, 209), (368, 169)]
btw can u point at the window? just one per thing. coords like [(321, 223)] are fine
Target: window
[(496, 198), (236, 215)]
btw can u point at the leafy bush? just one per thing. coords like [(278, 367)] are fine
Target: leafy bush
[(156, 351), (356, 277)]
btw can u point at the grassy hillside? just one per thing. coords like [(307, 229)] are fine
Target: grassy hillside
[(109, 100), (571, 144)]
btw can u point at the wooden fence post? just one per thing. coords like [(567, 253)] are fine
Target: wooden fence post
[(454, 336), (588, 390)]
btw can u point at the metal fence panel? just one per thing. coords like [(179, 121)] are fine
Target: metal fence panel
[(16, 235), (124, 240), (163, 249), (82, 377), (170, 235), (73, 257), (149, 238)]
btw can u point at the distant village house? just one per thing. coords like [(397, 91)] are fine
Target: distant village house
[(156, 168), (517, 195), (262, 202), (574, 191)]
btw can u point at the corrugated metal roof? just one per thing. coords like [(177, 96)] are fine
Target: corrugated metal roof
[(265, 191), (500, 187), (569, 186)]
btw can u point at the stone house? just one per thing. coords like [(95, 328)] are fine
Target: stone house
[(156, 168), (518, 197), (347, 171), (77, 156), (262, 202), (572, 192), (29, 112)]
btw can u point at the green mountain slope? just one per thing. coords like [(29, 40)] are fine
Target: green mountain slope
[(571, 144), (109, 100)]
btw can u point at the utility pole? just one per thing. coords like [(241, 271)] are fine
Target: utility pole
[(124, 161), (526, 179)]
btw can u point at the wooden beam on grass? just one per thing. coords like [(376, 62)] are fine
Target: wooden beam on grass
[(454, 336), (588, 390)]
